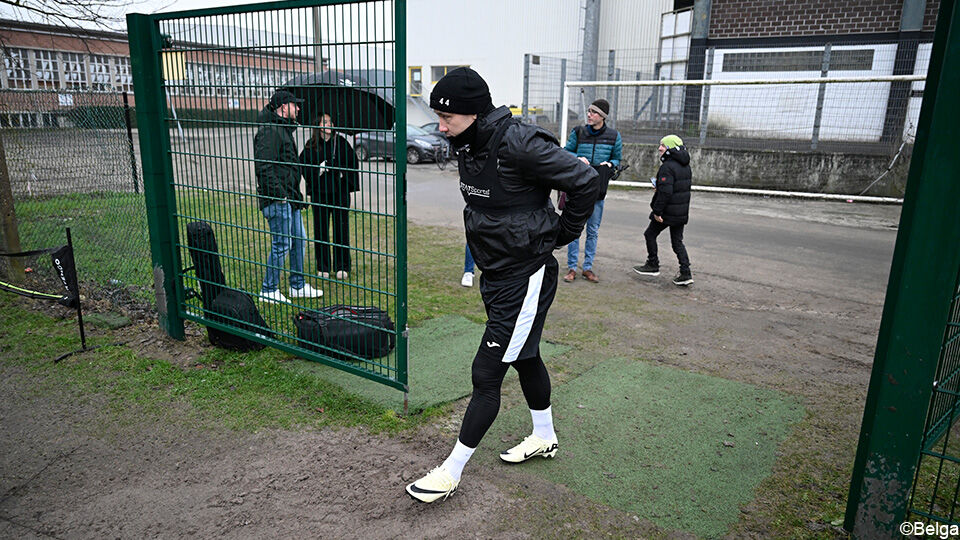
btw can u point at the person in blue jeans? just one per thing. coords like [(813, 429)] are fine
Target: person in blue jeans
[(468, 267), (277, 166), (601, 147)]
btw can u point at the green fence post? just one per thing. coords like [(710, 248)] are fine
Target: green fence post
[(400, 186), (145, 44), (921, 287)]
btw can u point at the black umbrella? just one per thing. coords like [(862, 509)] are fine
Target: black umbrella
[(353, 100)]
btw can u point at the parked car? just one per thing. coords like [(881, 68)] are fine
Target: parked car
[(421, 146), (433, 128)]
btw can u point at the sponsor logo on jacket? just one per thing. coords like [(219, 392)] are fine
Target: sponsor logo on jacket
[(474, 191)]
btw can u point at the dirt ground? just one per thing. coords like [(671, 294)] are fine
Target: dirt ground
[(67, 472)]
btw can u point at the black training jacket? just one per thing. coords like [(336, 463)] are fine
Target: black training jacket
[(512, 231), (671, 200), (277, 162)]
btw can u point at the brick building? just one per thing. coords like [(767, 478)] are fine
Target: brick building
[(74, 65), (780, 39)]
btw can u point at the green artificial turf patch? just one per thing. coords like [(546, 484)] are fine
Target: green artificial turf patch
[(441, 353), (681, 449)]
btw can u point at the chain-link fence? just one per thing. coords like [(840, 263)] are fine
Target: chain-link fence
[(71, 163), (643, 113)]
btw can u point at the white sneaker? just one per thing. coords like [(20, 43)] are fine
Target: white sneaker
[(436, 484), (323, 274), (273, 297), (530, 447), (342, 274), (467, 279), (306, 292)]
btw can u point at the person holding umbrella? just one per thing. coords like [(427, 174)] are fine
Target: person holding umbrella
[(507, 170), (329, 166)]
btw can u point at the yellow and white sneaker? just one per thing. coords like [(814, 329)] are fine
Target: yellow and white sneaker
[(438, 483), (530, 447)]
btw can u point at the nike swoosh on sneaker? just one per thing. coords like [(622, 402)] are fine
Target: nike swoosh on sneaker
[(426, 491), (540, 451)]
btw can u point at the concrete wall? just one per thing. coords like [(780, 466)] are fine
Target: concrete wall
[(812, 172)]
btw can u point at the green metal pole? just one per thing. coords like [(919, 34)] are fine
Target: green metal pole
[(916, 311), (400, 186), (145, 44)]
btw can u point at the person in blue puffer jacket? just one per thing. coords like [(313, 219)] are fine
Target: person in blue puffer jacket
[(601, 147)]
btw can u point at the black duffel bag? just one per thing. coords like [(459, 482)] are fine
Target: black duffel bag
[(365, 332)]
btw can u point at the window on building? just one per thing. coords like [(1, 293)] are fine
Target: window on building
[(100, 76), (254, 82), (189, 79), (203, 80), (25, 120), (416, 82), (17, 63), (122, 79), (74, 71), (437, 72), (840, 60), (237, 84), (220, 80), (47, 70)]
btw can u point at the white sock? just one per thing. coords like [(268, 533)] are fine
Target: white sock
[(543, 424), (458, 459)]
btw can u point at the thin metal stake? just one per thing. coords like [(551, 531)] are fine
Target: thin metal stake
[(133, 157)]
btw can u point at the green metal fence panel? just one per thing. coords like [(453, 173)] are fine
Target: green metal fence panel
[(937, 479), (305, 194), (145, 42), (917, 313), (68, 154)]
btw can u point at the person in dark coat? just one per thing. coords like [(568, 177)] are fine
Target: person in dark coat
[(329, 167), (277, 168), (507, 170), (670, 208)]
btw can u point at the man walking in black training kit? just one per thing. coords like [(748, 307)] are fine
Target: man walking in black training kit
[(507, 170), (670, 208)]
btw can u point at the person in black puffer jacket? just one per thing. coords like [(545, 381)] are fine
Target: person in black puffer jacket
[(671, 208), (507, 170)]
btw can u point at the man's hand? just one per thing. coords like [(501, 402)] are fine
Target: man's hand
[(658, 218), (584, 160)]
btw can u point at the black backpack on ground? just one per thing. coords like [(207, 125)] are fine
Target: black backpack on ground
[(367, 332), (221, 304), (236, 308)]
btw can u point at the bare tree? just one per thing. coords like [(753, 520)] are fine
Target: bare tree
[(104, 14)]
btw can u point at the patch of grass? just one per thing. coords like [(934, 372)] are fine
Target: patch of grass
[(109, 233), (433, 276), (246, 391)]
